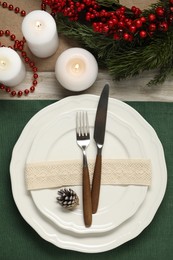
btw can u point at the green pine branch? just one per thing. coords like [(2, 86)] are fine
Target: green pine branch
[(86, 37), (157, 55)]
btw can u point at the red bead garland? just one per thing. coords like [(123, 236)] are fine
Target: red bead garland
[(19, 47), (120, 23)]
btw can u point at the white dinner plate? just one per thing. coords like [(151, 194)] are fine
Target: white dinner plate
[(94, 242), (57, 141)]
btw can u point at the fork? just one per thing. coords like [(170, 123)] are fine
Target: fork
[(83, 140)]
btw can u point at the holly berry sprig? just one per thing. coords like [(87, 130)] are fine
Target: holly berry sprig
[(119, 21)]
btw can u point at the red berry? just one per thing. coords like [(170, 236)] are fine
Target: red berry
[(2, 86), (35, 75), (116, 36), (115, 21), (138, 23), (20, 93), (105, 28), (20, 48), (31, 64), (26, 91), (152, 27), (34, 69), (13, 37), (143, 34), (151, 17), (7, 33), (122, 9), (26, 59), (126, 36), (121, 25), (17, 10), (128, 22), (23, 54), (10, 7), (117, 12), (143, 19), (132, 29), (137, 12), (133, 9), (163, 26), (8, 89), (110, 23), (13, 93), (160, 11), (4, 5), (32, 88), (34, 82), (1, 32)]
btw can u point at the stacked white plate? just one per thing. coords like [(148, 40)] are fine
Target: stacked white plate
[(124, 211)]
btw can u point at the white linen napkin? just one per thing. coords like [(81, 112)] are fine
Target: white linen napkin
[(51, 174)]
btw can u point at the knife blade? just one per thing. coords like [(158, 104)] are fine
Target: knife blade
[(99, 136)]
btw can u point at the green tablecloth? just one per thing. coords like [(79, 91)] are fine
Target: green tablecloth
[(19, 241)]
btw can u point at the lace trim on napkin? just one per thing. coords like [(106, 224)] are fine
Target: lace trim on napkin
[(53, 174)]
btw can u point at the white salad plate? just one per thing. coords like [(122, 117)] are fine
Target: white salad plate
[(57, 141), (151, 148)]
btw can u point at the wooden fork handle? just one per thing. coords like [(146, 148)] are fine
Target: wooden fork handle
[(95, 193), (87, 206)]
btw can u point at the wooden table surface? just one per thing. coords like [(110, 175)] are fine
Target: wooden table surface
[(134, 89)]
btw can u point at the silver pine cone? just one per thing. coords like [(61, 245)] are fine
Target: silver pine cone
[(67, 198)]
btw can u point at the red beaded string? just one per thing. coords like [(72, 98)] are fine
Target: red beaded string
[(19, 47)]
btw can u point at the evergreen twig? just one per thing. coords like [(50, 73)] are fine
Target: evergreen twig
[(157, 55)]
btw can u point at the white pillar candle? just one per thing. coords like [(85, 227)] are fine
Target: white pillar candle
[(40, 32), (12, 69), (76, 69)]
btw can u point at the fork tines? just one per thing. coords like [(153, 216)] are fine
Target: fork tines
[(82, 123)]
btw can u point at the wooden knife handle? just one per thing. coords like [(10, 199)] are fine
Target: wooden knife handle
[(87, 206), (95, 193)]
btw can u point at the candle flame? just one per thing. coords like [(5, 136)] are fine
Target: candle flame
[(38, 25), (77, 67), (2, 64)]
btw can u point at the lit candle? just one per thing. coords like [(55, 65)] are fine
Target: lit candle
[(40, 32), (12, 69), (76, 69)]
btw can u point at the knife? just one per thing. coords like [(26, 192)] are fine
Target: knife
[(99, 135)]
